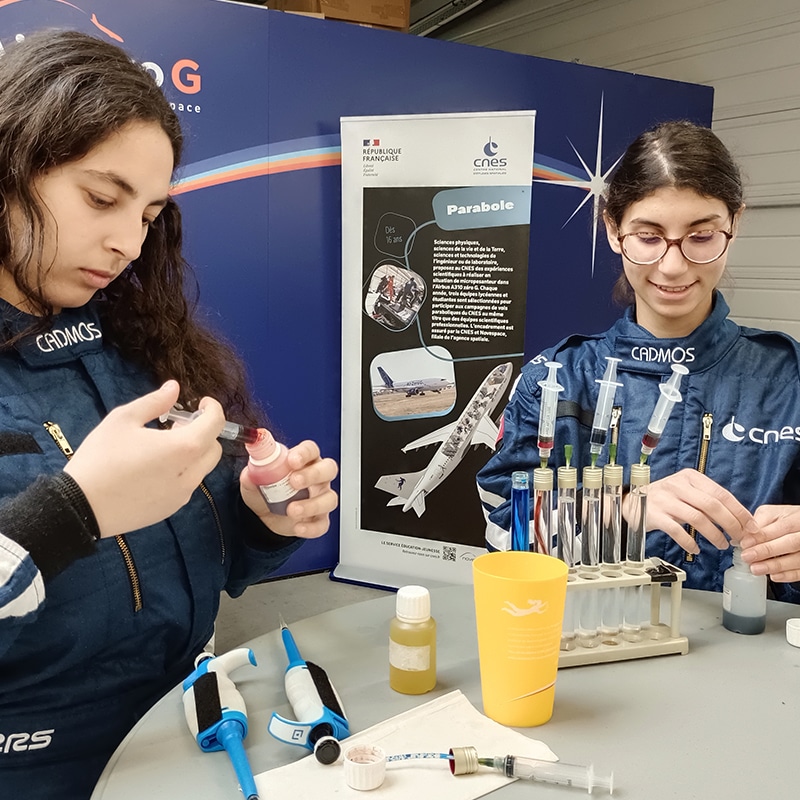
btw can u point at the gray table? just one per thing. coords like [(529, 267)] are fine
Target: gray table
[(719, 722)]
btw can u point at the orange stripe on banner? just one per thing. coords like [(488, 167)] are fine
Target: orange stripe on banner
[(256, 170)]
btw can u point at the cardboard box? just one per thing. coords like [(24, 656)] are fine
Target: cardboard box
[(392, 14)]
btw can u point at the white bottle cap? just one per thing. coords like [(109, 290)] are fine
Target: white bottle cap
[(413, 604), (793, 631), (364, 767)]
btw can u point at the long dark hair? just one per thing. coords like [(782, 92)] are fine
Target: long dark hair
[(62, 93), (679, 154)]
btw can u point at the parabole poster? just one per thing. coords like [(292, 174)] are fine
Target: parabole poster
[(435, 240)]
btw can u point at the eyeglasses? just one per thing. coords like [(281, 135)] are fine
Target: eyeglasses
[(699, 247)]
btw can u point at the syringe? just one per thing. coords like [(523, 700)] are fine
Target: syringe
[(466, 761), (602, 414), (550, 772), (547, 411), (231, 430), (670, 395)]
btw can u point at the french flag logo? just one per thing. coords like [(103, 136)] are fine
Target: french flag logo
[(372, 142)]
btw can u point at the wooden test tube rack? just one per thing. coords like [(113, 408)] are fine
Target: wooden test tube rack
[(658, 639)]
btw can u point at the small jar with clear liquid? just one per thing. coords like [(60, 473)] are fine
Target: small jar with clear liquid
[(744, 597), (412, 642)]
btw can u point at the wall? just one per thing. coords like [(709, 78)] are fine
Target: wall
[(749, 52)]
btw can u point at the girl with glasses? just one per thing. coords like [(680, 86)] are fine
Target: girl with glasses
[(727, 468)]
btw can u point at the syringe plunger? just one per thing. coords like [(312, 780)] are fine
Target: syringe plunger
[(605, 403), (669, 395)]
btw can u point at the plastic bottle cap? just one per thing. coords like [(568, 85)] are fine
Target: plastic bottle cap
[(542, 479), (567, 477), (612, 474), (592, 477), (413, 604), (364, 767), (793, 631)]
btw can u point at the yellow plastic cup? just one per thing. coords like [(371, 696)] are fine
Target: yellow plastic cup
[(519, 610)]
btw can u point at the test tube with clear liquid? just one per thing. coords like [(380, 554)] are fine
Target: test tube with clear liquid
[(635, 614), (611, 597), (542, 510), (589, 606), (566, 546)]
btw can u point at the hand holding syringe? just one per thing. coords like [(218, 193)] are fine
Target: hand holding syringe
[(670, 395), (231, 430), (547, 411), (605, 403)]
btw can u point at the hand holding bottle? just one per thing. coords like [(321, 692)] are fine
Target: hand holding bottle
[(304, 471)]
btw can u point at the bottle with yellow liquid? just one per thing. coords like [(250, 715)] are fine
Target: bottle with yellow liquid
[(412, 642)]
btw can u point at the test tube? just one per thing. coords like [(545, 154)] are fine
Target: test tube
[(520, 511), (543, 510), (611, 597), (565, 536), (588, 612), (547, 411), (669, 395), (602, 414), (634, 608)]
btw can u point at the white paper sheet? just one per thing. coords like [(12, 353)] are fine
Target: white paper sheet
[(436, 726)]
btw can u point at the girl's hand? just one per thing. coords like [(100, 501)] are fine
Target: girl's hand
[(134, 476), (774, 550), (690, 498), (308, 518)]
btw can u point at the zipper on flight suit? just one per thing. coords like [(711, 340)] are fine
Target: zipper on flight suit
[(136, 589), (702, 461), (616, 416), (207, 492)]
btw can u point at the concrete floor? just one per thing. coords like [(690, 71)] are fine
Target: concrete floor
[(259, 609)]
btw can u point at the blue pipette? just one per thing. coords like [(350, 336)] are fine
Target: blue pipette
[(215, 711), (670, 394), (602, 413), (547, 411)]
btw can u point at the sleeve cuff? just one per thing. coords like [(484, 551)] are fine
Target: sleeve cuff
[(53, 521)]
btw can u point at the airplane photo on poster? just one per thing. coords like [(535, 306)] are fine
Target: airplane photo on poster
[(418, 386), (473, 427)]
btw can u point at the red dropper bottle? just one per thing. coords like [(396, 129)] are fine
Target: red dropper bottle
[(269, 469)]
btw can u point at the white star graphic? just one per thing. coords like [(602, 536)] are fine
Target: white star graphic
[(595, 184)]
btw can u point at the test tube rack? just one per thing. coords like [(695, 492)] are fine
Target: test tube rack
[(658, 638)]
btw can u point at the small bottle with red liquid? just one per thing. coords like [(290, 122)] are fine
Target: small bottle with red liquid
[(269, 469)]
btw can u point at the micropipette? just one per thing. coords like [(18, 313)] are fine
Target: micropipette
[(602, 414), (547, 411), (216, 714), (670, 395), (231, 430), (550, 772)]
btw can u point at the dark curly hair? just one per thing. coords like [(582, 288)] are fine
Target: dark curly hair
[(679, 154), (62, 93)]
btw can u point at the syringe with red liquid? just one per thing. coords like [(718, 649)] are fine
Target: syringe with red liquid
[(547, 411), (670, 394)]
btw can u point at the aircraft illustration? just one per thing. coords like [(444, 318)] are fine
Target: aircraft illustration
[(415, 387), (473, 427)]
